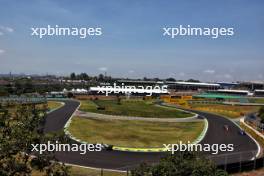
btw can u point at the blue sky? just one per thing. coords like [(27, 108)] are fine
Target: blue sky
[(132, 44)]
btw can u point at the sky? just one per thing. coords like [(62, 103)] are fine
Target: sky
[(132, 44)]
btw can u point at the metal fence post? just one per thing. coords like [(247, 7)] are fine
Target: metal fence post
[(240, 162), (102, 172), (225, 162), (254, 162)]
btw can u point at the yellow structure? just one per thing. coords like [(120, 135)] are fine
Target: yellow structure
[(181, 100)]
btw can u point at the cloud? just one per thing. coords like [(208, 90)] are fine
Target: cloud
[(5, 29), (103, 68), (8, 29), (2, 51), (209, 71), (228, 76), (77, 63), (182, 74), (131, 71)]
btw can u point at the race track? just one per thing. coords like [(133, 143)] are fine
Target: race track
[(244, 147)]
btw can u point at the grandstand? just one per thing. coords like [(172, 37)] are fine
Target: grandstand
[(231, 92), (252, 85), (228, 85), (259, 93), (174, 85), (221, 97), (194, 86)]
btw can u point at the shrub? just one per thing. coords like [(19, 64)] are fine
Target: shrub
[(180, 164), (261, 114)]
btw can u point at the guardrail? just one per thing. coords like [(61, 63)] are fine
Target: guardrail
[(253, 119), (242, 166), (22, 100)]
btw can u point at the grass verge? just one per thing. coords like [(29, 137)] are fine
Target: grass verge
[(138, 134), (137, 108), (226, 110), (53, 105), (256, 100)]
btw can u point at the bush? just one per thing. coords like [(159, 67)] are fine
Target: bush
[(100, 108), (261, 114), (180, 164), (70, 95)]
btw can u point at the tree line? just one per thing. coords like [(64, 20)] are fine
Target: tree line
[(21, 126)]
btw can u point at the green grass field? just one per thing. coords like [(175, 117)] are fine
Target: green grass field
[(53, 105), (226, 110), (138, 134), (137, 108), (256, 100)]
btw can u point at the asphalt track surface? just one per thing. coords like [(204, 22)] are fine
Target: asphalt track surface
[(244, 147)]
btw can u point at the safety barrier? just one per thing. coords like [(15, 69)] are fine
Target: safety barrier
[(22, 100), (243, 166)]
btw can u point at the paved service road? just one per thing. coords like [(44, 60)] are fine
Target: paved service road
[(119, 160)]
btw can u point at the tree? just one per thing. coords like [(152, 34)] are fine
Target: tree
[(3, 91), (170, 79), (19, 87), (180, 164), (101, 78), (192, 80), (70, 95), (73, 76), (9, 88), (156, 79), (142, 170), (28, 87), (84, 76), (261, 114), (16, 137), (145, 79)]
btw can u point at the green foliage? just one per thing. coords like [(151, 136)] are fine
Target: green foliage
[(261, 114), (3, 91), (18, 130), (73, 76), (70, 95), (137, 108), (142, 170), (180, 164)]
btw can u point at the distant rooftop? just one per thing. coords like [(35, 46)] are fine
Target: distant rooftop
[(198, 84)]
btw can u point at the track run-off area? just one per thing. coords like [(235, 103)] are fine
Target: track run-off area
[(245, 147)]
